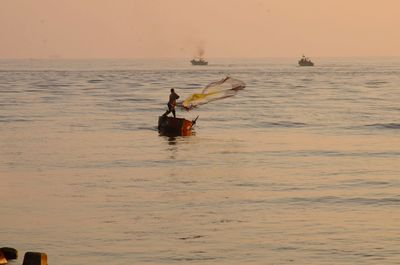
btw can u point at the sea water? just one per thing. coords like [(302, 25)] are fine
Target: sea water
[(301, 167)]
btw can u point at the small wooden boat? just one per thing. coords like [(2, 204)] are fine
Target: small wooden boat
[(171, 126)]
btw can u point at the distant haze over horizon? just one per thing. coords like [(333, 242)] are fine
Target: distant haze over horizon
[(189, 28)]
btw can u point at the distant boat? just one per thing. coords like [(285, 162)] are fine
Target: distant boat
[(199, 61), (305, 61)]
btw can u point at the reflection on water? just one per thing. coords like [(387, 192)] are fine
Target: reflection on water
[(178, 142), (172, 140), (301, 168), (173, 148)]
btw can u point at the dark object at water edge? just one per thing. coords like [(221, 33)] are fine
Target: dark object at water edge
[(171, 126), (9, 253), (35, 258)]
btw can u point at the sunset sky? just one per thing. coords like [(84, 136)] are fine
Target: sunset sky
[(180, 28)]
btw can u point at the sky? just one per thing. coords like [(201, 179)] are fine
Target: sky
[(185, 28)]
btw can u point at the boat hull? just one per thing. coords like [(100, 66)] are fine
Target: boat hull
[(200, 62), (171, 126), (308, 63)]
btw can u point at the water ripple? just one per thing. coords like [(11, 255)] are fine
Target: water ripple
[(394, 126), (327, 200)]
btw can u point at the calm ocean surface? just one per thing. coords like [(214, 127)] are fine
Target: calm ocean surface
[(301, 167)]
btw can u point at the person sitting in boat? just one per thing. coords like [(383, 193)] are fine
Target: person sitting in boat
[(172, 103)]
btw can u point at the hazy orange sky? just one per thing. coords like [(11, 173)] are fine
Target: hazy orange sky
[(179, 28)]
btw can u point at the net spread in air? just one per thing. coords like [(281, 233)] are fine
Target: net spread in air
[(221, 89)]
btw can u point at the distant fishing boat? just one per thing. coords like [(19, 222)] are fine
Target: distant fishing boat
[(305, 61), (171, 126), (199, 61)]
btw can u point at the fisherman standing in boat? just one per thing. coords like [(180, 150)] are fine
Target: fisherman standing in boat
[(171, 103)]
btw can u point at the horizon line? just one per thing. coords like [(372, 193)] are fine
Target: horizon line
[(188, 58)]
